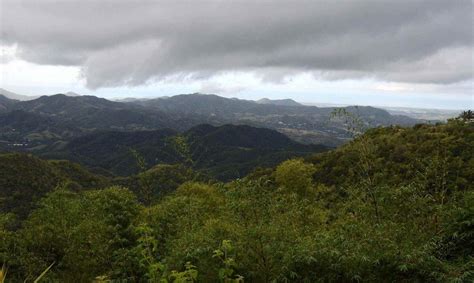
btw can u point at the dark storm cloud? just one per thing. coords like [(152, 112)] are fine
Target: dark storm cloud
[(132, 42)]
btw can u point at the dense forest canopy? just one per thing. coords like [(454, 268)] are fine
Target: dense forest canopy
[(395, 204)]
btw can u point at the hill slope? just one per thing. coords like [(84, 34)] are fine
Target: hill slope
[(6, 103), (394, 205), (24, 179), (20, 130), (224, 152), (91, 112), (396, 156)]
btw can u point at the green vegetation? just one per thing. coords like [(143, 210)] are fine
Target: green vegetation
[(224, 153), (24, 179), (394, 205), (46, 124)]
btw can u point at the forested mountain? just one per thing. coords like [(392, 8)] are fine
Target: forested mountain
[(226, 110), (393, 205), (307, 124), (6, 104), (24, 179), (90, 112), (77, 115), (20, 130), (224, 152), (54, 120)]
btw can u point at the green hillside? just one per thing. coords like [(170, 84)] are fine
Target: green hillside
[(224, 152), (24, 179), (394, 205)]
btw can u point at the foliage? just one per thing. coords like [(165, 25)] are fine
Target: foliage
[(24, 179), (190, 274), (164, 179), (295, 176), (466, 116), (224, 253), (393, 205), (18, 195)]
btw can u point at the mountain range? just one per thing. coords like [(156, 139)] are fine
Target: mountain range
[(208, 132), (307, 124), (65, 116)]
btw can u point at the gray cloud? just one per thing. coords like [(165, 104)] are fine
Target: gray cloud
[(132, 42)]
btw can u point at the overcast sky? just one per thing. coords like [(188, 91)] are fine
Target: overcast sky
[(393, 53)]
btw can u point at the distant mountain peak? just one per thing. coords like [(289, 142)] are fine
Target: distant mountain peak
[(282, 102), (16, 96), (70, 93)]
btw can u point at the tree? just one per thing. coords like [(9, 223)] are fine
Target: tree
[(118, 209), (466, 116), (366, 157), (64, 229), (295, 176)]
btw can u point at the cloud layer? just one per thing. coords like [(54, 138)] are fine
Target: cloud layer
[(133, 42)]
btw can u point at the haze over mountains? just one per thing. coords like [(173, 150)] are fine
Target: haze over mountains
[(21, 97), (16, 96)]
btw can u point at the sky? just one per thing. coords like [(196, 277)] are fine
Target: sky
[(365, 52)]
